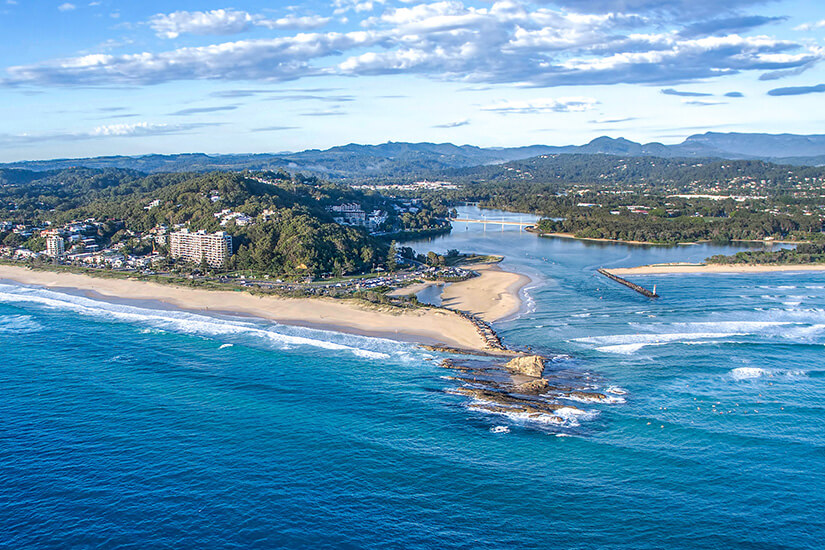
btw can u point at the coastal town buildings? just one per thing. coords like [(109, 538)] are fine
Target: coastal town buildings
[(354, 214), (215, 248)]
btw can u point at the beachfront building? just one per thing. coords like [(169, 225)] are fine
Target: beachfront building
[(215, 248), (55, 246)]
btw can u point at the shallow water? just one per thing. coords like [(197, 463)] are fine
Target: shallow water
[(129, 427)]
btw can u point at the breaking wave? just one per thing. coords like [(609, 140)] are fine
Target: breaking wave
[(280, 336), (19, 324)]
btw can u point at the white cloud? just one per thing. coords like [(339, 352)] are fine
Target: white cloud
[(543, 105), (223, 22), (172, 25), (357, 6), (811, 26), (505, 42), (305, 22), (66, 7), (128, 129), (455, 124), (138, 129)]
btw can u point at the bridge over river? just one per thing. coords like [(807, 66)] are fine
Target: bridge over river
[(521, 224)]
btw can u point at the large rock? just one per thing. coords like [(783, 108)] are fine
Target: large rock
[(533, 387), (530, 365)]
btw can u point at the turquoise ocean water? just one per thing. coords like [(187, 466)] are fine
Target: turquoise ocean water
[(127, 426)]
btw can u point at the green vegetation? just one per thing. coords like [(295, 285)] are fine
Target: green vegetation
[(806, 253), (740, 225), (288, 229), (653, 173)]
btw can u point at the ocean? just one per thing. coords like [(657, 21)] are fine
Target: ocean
[(128, 426)]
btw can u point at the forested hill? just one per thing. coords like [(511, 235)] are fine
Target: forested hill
[(607, 170), (287, 228)]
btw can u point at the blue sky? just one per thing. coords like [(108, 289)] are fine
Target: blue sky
[(109, 77)]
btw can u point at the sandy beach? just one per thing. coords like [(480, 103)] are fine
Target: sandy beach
[(617, 241), (492, 296), (425, 326), (661, 269)]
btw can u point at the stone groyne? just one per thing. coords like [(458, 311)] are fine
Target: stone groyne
[(640, 289), (484, 329)]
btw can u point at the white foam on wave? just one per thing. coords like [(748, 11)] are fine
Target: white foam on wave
[(515, 415), (224, 346), (626, 349), (19, 324), (574, 417), (750, 373), (744, 373), (631, 343), (190, 323), (608, 399)]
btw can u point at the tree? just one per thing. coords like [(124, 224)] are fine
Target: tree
[(392, 263)]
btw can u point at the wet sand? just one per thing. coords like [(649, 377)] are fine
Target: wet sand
[(426, 326)]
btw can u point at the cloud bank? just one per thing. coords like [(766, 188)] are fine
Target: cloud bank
[(589, 42)]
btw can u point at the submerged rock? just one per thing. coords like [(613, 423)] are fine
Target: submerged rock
[(450, 364), (533, 387), (530, 365), (526, 409), (585, 396), (502, 398)]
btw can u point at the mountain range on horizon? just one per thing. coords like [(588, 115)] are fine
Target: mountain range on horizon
[(401, 159)]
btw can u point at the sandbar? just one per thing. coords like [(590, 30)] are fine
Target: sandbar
[(661, 269), (492, 296)]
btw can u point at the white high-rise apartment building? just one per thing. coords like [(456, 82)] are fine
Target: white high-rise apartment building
[(55, 247), (215, 248)]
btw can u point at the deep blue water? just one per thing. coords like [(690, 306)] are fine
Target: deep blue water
[(127, 427)]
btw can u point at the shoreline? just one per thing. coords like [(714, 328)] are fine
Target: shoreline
[(615, 241), (649, 243), (427, 326), (676, 268), (492, 296)]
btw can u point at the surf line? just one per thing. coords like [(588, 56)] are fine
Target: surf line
[(640, 289)]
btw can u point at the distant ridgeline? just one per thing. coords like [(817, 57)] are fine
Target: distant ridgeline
[(280, 224), (652, 173), (406, 161)]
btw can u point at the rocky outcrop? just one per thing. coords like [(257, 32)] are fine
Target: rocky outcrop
[(529, 365), (585, 396), (500, 398), (533, 387), (526, 409)]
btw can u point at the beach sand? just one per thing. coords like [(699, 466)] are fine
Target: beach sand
[(492, 296), (425, 326), (617, 241), (661, 269)]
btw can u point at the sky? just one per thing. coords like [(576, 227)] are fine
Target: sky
[(110, 77)]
